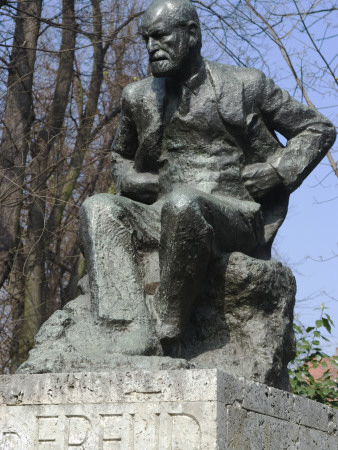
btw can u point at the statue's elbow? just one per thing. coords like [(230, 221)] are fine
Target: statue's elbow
[(332, 135), (329, 134)]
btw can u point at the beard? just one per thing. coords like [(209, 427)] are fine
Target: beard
[(166, 65), (164, 68)]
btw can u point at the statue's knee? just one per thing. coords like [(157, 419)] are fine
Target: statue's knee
[(100, 205), (93, 203), (180, 202)]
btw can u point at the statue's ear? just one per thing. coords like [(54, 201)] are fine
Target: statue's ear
[(193, 31)]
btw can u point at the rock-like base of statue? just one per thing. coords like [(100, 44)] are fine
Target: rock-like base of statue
[(243, 326), (169, 409)]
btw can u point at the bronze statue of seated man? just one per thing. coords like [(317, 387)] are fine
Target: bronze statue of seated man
[(199, 172)]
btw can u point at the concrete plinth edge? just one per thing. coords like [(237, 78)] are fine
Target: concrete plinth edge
[(161, 410)]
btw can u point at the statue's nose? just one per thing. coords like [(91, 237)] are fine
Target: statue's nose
[(152, 45)]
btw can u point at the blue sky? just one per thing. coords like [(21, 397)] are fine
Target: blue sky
[(308, 239), (308, 243)]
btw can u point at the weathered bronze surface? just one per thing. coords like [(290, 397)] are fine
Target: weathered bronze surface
[(179, 260)]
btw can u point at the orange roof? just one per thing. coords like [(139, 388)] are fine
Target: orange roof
[(319, 371)]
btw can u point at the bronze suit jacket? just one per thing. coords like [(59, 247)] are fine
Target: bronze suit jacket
[(252, 108)]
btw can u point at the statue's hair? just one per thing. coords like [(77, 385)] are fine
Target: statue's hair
[(184, 13)]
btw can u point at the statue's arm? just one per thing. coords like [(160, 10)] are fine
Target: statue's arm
[(309, 137), (260, 179), (142, 187)]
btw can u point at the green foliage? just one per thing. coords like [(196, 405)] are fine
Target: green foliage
[(309, 354)]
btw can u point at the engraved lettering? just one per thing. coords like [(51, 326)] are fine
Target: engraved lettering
[(132, 431), (77, 431), (10, 441), (146, 430), (157, 431), (165, 437), (185, 428), (111, 427), (47, 431)]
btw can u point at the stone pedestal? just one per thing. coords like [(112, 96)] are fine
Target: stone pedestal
[(162, 410)]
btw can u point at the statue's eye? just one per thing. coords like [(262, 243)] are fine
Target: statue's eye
[(158, 35)]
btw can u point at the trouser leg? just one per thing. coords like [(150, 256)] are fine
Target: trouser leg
[(109, 235), (196, 227)]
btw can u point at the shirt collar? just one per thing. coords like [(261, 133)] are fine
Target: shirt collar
[(193, 83)]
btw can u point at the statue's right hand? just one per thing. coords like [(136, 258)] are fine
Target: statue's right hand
[(142, 187), (259, 179)]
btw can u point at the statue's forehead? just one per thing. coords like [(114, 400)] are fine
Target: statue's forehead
[(160, 15), (165, 7)]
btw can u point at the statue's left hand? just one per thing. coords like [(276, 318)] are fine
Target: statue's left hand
[(259, 179), (142, 187)]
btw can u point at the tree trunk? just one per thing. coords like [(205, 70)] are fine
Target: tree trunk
[(72, 290), (37, 235), (15, 295), (17, 124), (86, 122)]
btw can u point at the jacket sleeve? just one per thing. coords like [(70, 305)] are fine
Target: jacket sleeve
[(142, 187), (309, 134), (126, 142)]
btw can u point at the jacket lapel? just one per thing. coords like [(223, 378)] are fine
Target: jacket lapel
[(229, 94), (150, 126)]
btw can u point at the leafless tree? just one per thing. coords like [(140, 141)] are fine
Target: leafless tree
[(66, 70), (63, 67)]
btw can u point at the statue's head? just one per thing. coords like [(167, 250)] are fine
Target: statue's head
[(172, 32)]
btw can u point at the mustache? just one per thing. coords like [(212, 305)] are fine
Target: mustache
[(158, 56)]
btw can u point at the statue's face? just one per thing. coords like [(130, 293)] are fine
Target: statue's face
[(168, 44)]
